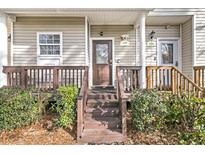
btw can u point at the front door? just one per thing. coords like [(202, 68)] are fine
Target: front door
[(102, 62), (168, 53), (167, 56)]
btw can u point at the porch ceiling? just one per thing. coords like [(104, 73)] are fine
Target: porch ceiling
[(98, 16), (167, 20)]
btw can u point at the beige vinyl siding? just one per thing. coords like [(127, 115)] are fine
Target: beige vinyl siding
[(187, 60), (200, 38), (151, 46), (25, 38), (126, 54)]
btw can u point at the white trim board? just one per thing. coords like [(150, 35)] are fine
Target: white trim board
[(193, 44), (86, 40), (91, 59)]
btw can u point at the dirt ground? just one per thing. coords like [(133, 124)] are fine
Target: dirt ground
[(42, 133)]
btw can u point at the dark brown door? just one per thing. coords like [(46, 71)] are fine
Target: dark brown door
[(102, 62)]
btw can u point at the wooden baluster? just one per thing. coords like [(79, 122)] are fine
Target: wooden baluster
[(12, 77), (173, 81), (61, 74), (152, 81), (69, 76), (81, 77), (46, 81), (9, 79), (77, 78), (148, 78), (180, 83), (132, 79), (188, 89), (73, 77), (42, 80), (66, 77), (161, 79), (30, 77), (38, 77), (55, 78), (177, 82), (23, 78), (16, 75), (49, 78), (168, 79), (127, 80), (137, 79), (156, 78)]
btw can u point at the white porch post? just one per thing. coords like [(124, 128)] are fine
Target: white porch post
[(142, 51), (3, 48)]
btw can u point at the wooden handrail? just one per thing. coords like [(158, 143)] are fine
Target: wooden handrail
[(171, 79), (199, 76), (43, 77), (81, 104), (122, 101)]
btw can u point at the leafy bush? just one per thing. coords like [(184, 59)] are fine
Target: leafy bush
[(65, 105), (18, 107), (148, 111), (152, 110)]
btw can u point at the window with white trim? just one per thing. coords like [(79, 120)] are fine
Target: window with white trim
[(49, 44)]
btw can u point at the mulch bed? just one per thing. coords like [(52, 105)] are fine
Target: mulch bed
[(42, 132)]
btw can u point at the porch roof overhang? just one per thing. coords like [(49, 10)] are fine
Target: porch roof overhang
[(96, 16), (105, 16)]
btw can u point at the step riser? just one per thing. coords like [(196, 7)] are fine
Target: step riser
[(101, 105), (97, 114), (99, 96), (111, 125)]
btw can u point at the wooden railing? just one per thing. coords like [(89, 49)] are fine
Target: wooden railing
[(130, 77), (171, 79), (122, 101), (81, 104), (43, 77), (199, 76)]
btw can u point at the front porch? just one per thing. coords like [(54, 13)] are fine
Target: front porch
[(48, 78)]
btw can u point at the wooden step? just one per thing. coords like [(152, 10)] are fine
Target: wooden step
[(109, 96), (102, 136), (102, 112), (102, 123), (95, 103)]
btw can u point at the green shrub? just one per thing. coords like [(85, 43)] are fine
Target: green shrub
[(65, 105), (152, 110), (148, 111), (18, 108), (183, 111)]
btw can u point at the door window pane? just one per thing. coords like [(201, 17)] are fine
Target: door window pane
[(167, 53), (102, 53)]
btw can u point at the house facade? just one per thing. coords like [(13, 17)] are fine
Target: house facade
[(103, 39)]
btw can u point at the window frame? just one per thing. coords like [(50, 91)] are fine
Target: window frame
[(51, 33)]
